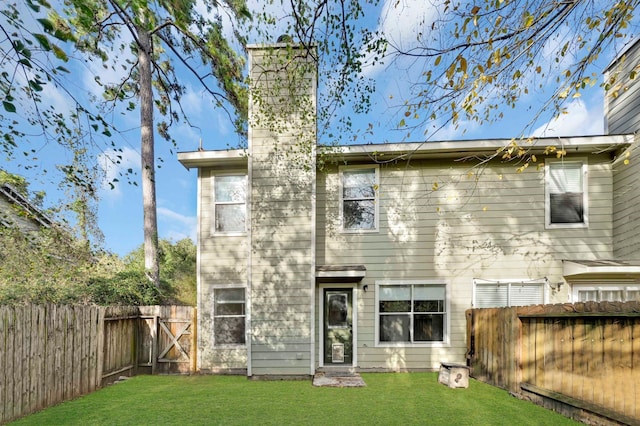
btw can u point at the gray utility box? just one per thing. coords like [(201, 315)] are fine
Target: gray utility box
[(454, 375)]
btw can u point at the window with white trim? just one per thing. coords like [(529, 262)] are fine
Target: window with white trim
[(606, 292), (359, 198), (229, 316), (229, 203), (502, 293), (411, 313), (566, 194)]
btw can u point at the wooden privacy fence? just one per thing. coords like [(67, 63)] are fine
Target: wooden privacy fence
[(52, 353), (580, 359)]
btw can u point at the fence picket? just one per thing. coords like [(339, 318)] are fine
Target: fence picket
[(51, 353), (4, 343), (588, 353)]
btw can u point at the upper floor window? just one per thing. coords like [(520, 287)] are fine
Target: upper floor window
[(566, 194), (229, 201), (359, 198), (411, 313), (498, 294)]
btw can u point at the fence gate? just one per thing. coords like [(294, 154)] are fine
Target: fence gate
[(166, 343)]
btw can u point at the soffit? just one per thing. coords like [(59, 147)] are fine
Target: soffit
[(232, 158)]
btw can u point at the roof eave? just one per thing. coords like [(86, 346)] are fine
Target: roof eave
[(237, 158), (234, 158), (583, 270), (476, 148)]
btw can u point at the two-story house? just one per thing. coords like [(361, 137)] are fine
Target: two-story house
[(367, 256)]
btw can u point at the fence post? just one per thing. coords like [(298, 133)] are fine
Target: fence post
[(193, 353), (100, 346), (154, 344)]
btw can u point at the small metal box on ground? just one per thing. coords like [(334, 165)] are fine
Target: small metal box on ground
[(454, 375)]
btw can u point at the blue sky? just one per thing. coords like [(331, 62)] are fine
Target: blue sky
[(120, 209)]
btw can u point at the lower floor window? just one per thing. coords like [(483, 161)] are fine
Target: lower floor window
[(229, 316), (497, 294), (411, 313), (607, 293)]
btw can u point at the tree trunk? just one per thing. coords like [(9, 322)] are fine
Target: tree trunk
[(151, 265)]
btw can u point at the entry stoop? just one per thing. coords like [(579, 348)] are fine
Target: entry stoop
[(338, 379)]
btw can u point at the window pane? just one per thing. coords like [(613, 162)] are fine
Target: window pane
[(359, 214), (491, 295), (337, 310), (394, 328), (230, 218), (587, 295), (229, 330), (565, 178), (395, 306), (611, 296), (428, 292), (428, 306), (633, 296), (229, 308), (359, 184), (230, 295), (395, 292), (428, 328), (567, 207), (230, 188)]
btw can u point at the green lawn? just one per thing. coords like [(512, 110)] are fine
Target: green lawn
[(388, 399)]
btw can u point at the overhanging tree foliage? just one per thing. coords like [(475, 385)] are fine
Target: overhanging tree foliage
[(474, 59), (150, 41), (469, 60), (149, 45), (479, 58)]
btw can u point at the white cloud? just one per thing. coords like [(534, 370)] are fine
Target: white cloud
[(115, 165), (579, 120), (403, 23), (176, 226)]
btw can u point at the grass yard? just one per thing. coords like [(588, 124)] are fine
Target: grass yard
[(388, 399)]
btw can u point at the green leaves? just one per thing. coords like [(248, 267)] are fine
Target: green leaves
[(481, 57), (9, 106)]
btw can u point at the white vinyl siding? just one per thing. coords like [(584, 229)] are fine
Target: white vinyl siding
[(359, 198), (626, 206), (622, 100), (222, 263), (229, 203), (489, 224), (566, 194), (281, 163), (495, 294), (411, 313)]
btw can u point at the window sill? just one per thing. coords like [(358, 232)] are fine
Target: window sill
[(359, 231), (444, 344), (229, 234), (566, 226), (240, 346)]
